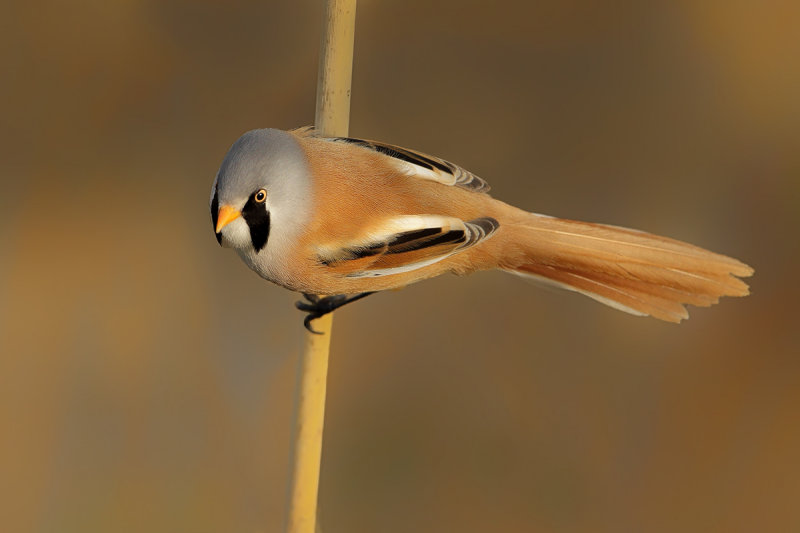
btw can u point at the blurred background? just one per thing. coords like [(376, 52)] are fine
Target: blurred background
[(147, 376)]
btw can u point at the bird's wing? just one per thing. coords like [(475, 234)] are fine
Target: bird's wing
[(404, 243), (413, 163)]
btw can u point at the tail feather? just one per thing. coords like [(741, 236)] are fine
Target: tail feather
[(633, 271)]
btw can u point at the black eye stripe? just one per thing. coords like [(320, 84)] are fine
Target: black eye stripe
[(257, 217), (215, 215)]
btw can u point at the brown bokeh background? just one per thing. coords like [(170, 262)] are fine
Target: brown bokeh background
[(147, 377)]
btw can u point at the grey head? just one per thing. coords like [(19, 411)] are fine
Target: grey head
[(261, 195)]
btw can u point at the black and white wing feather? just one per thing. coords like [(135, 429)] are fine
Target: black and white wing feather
[(405, 243), (414, 163)]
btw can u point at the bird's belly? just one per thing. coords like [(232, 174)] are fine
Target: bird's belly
[(270, 268)]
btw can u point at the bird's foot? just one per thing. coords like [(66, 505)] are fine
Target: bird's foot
[(317, 307)]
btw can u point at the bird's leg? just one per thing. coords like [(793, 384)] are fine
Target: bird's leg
[(317, 307), (313, 298)]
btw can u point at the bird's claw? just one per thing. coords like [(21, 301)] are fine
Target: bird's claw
[(317, 307), (307, 323)]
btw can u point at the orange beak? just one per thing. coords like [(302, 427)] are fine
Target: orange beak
[(227, 214)]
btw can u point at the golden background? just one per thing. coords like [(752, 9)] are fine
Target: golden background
[(147, 377)]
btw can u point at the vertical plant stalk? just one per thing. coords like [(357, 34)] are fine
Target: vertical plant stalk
[(332, 119)]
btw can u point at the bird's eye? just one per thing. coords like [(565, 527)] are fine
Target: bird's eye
[(260, 196)]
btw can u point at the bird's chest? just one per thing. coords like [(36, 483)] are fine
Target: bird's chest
[(281, 262)]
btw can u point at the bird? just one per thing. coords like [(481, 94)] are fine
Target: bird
[(340, 218)]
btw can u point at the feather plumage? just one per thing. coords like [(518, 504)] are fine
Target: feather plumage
[(631, 270), (351, 216), (412, 162), (403, 244)]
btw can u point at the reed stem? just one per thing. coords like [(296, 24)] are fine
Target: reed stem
[(332, 119)]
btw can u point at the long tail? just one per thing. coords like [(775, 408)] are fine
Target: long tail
[(629, 270)]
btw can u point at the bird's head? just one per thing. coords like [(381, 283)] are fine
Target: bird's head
[(262, 185)]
